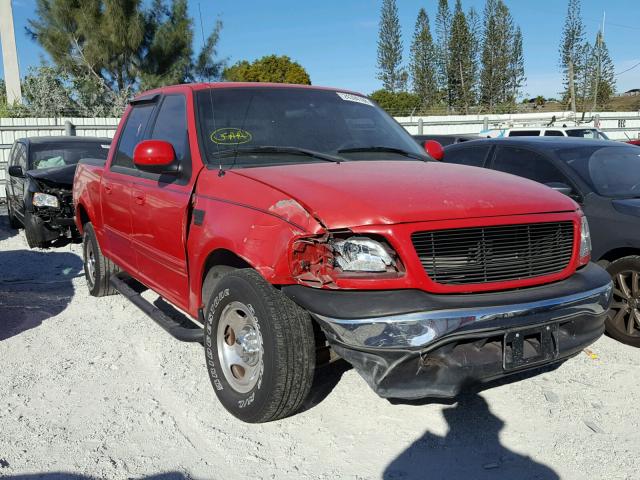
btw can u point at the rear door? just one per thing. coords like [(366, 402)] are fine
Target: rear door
[(116, 188), (160, 207)]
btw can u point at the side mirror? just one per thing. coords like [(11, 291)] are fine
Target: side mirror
[(560, 187), (434, 149), (155, 156), (16, 171)]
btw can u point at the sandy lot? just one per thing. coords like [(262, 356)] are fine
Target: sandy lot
[(90, 388)]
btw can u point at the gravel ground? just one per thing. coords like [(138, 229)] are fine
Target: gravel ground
[(90, 388)]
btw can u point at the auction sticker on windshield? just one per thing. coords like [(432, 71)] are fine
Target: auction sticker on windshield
[(355, 98), (231, 136)]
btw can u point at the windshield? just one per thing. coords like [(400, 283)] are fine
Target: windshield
[(611, 171), (587, 133), (59, 154), (334, 125)]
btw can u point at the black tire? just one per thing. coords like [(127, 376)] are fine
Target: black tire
[(13, 221), (97, 268), (623, 321), (33, 231), (287, 349)]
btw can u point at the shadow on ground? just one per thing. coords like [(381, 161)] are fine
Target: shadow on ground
[(470, 449), (74, 476), (5, 230), (34, 286)]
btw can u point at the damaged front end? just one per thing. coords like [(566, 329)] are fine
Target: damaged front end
[(50, 207), (411, 344)]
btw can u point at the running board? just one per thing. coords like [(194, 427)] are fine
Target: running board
[(185, 331)]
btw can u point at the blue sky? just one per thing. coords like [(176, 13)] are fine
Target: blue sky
[(336, 40)]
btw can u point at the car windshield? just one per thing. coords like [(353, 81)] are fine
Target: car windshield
[(258, 126), (611, 171), (59, 154), (587, 133)]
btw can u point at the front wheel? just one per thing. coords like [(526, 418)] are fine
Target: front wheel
[(623, 322), (13, 221), (259, 348)]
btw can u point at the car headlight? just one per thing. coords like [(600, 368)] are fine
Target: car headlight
[(361, 254), (45, 200), (585, 242)]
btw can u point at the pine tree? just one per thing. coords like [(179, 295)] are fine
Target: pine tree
[(516, 67), (460, 61), (572, 50), (423, 62), (497, 55), (390, 69), (603, 84), (443, 33), (122, 44), (475, 30)]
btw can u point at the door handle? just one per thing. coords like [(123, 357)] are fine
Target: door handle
[(108, 188), (140, 197)]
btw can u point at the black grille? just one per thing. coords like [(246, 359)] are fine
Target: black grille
[(494, 254)]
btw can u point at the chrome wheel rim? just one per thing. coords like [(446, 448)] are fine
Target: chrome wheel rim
[(240, 350), (90, 262), (625, 306)]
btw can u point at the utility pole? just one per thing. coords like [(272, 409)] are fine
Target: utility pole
[(9, 53)]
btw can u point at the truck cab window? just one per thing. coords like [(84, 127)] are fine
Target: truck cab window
[(132, 134), (171, 125)]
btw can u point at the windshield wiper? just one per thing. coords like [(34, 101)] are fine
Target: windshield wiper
[(399, 151), (275, 149)]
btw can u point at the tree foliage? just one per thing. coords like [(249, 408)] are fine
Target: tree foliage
[(443, 34), (502, 59), (423, 63), (573, 55), (397, 103), (122, 44), (271, 68), (390, 70), (460, 68)]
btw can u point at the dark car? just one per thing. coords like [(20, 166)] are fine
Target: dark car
[(604, 178), (444, 140), (40, 174)]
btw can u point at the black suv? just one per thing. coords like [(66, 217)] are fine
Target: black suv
[(39, 180), (604, 178)]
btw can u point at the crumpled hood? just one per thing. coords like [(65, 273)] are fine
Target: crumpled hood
[(59, 177), (387, 192)]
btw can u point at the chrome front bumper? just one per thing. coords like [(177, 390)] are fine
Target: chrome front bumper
[(419, 330)]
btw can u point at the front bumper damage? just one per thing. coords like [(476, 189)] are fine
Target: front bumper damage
[(410, 344)]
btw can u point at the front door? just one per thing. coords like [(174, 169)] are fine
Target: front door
[(116, 189), (160, 208), (17, 184)]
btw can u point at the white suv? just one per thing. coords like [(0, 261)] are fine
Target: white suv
[(581, 132)]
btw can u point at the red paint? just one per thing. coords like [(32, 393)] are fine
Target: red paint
[(275, 217), (434, 149)]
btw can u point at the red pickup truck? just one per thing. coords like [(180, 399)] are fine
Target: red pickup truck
[(286, 221)]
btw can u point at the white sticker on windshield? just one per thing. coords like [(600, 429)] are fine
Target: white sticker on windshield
[(349, 97)]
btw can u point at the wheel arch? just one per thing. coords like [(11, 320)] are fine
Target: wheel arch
[(616, 253)]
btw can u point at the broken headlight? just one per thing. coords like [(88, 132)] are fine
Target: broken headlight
[(362, 254), (45, 200)]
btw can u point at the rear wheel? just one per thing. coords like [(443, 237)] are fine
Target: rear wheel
[(97, 268), (259, 348), (623, 322)]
